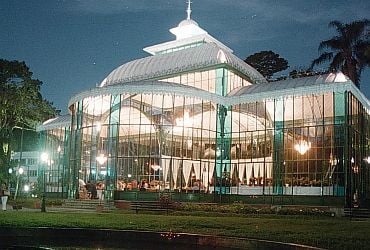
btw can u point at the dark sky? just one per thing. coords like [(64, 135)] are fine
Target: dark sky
[(71, 45)]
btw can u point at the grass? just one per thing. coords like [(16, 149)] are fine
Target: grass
[(325, 232)]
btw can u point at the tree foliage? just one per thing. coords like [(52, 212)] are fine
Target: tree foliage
[(267, 63), (304, 73), (348, 51), (21, 104)]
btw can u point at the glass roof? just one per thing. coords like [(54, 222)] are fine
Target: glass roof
[(152, 67), (291, 84), (58, 122)]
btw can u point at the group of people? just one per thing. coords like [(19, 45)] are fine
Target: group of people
[(91, 190), (4, 193), (123, 185), (144, 185)]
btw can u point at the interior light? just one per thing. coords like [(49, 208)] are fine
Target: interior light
[(44, 157), (186, 121), (155, 167), (218, 152), (101, 159), (98, 126), (302, 147)]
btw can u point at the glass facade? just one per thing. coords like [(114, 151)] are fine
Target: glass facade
[(195, 120), (357, 169), (311, 145)]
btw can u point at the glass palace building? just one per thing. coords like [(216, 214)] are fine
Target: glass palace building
[(193, 119)]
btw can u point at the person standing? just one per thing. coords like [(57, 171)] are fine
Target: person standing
[(93, 191), (4, 195), (100, 191), (89, 187)]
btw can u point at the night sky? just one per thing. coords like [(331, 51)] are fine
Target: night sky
[(71, 45)]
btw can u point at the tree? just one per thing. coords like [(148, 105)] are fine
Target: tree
[(267, 63), (21, 105), (304, 73), (348, 51)]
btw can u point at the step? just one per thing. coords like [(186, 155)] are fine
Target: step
[(357, 212), (88, 204), (150, 206)]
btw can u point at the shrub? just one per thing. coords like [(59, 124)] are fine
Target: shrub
[(164, 200), (304, 211), (239, 208)]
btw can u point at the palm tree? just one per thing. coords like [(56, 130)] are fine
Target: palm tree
[(348, 51)]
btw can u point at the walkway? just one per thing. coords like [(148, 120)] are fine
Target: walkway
[(51, 209)]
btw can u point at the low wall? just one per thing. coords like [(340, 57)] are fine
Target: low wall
[(310, 200)]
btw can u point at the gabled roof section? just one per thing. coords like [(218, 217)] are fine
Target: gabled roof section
[(332, 82), (196, 58), (149, 87), (57, 122), (290, 84), (199, 38)]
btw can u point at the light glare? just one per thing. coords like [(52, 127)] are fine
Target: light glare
[(44, 157), (302, 147)]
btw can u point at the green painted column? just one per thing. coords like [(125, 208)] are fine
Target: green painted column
[(65, 161), (278, 153), (340, 139), (113, 130), (75, 158), (41, 168), (223, 136)]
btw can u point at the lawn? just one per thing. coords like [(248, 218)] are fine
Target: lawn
[(320, 231)]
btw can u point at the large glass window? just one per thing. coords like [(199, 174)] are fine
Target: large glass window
[(293, 145)]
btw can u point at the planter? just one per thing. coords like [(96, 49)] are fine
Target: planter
[(99, 208), (37, 205)]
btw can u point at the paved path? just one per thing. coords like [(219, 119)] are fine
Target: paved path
[(50, 209)]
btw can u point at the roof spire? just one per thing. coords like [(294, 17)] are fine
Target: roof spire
[(189, 10)]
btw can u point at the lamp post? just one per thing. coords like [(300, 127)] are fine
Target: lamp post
[(22, 128), (44, 160), (19, 173), (10, 171)]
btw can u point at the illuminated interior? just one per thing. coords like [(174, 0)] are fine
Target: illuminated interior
[(192, 117)]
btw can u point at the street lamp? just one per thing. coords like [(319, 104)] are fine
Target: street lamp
[(20, 172), (44, 158)]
